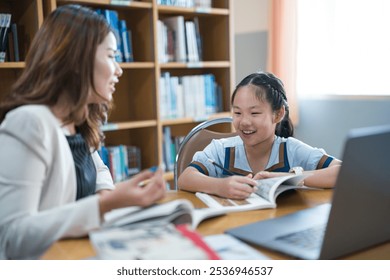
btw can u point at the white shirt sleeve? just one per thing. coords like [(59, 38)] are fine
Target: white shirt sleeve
[(37, 188)]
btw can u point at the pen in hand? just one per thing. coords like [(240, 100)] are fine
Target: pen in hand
[(152, 169), (224, 169), (221, 167)]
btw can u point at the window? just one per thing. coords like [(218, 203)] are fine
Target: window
[(343, 47)]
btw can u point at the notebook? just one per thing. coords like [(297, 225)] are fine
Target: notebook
[(358, 217)]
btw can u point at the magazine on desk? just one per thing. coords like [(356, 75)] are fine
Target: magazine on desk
[(180, 211), (265, 196), (151, 241)]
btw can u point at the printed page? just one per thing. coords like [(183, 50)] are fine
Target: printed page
[(145, 242), (270, 188), (230, 248), (232, 205), (202, 214)]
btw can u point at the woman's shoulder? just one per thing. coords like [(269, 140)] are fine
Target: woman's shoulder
[(29, 117), (27, 110)]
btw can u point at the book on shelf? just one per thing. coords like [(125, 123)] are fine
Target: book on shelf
[(151, 241), (121, 34), (194, 96), (126, 42), (121, 2), (264, 197), (168, 155), (186, 3), (180, 211), (170, 147), (5, 23), (198, 38), (179, 40), (176, 27), (15, 37), (192, 46), (12, 50), (122, 161)]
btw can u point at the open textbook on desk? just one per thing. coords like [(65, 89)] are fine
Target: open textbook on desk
[(161, 231), (180, 211), (265, 196)]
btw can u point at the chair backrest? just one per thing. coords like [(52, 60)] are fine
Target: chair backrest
[(196, 140)]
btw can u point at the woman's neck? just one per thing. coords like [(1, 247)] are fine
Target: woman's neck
[(61, 112)]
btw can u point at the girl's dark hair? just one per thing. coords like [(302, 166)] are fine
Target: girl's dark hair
[(60, 64), (271, 89)]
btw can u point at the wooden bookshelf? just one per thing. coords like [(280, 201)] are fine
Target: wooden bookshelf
[(136, 119)]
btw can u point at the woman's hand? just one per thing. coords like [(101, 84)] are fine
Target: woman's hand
[(142, 189), (237, 187)]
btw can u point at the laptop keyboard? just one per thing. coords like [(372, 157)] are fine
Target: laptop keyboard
[(310, 238)]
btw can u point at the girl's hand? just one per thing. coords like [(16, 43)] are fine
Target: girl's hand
[(267, 174), (237, 187)]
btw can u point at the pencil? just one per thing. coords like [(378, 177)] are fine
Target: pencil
[(226, 170), (221, 167)]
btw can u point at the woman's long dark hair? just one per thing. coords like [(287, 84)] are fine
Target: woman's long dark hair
[(271, 89), (60, 63)]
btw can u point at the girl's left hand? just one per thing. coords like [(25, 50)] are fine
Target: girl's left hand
[(267, 174)]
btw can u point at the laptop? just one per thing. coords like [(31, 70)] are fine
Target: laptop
[(358, 218)]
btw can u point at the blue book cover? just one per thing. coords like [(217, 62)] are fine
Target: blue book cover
[(113, 19), (127, 49)]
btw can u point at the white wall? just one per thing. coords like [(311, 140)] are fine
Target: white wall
[(251, 32), (323, 123)]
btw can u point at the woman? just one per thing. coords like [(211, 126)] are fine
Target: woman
[(53, 183)]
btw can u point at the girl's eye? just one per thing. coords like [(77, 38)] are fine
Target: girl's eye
[(237, 113)]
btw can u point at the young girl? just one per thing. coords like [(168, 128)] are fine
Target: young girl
[(263, 148)]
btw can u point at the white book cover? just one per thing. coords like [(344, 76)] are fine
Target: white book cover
[(177, 25)]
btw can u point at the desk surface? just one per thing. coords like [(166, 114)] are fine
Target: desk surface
[(72, 249)]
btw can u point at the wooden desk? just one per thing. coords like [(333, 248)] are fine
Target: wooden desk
[(73, 249)]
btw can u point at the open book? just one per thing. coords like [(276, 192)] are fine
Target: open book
[(265, 196), (180, 211)]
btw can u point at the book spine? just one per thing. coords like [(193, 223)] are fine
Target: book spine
[(125, 35), (5, 22), (113, 20), (14, 30)]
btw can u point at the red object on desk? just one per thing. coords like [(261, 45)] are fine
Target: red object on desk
[(198, 241)]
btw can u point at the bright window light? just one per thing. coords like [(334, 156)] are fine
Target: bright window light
[(343, 47)]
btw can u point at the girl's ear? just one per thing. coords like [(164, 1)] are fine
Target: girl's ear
[(279, 115)]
